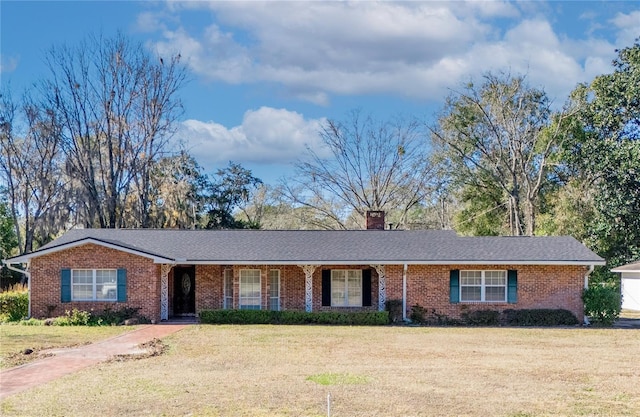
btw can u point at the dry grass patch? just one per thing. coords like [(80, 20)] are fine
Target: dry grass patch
[(399, 371), (14, 339), (630, 314)]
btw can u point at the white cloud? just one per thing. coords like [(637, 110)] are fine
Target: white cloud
[(266, 136), (8, 63), (628, 28), (318, 48), (413, 49)]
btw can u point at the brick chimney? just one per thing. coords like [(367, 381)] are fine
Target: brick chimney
[(375, 220)]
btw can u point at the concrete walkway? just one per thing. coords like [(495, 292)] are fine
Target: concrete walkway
[(68, 360)]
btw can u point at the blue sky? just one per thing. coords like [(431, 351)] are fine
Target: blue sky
[(264, 75)]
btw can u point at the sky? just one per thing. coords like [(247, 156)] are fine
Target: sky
[(264, 76)]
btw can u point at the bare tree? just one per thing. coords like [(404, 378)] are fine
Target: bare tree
[(500, 136), (178, 186), (30, 164), (373, 166), (117, 106)]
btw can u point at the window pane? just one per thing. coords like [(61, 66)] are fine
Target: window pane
[(228, 289), (470, 293), (274, 283), (106, 284), (274, 289), (495, 278), (82, 284), (494, 293), (82, 292), (250, 291), (355, 290), (470, 277), (346, 287), (82, 276), (338, 289), (104, 276)]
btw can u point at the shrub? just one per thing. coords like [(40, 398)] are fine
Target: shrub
[(394, 307), (602, 303), (74, 317), (539, 317), (481, 318), (293, 317), (14, 305), (418, 314), (110, 317)]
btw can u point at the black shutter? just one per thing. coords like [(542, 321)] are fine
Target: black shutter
[(326, 287), (366, 287)]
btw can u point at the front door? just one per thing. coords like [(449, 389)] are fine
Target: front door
[(184, 291)]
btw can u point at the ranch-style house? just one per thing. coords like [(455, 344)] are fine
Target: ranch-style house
[(170, 273)]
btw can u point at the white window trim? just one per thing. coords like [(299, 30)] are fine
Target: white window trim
[(483, 286), (271, 297), (241, 298), (93, 285), (346, 288)]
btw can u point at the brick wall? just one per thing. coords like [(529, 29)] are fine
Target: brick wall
[(143, 280), (539, 286)]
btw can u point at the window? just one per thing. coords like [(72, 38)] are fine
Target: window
[(346, 288), (94, 285), (250, 291), (483, 286), (274, 289), (227, 300)]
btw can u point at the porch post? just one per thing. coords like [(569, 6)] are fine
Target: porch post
[(308, 286), (382, 286), (164, 291)]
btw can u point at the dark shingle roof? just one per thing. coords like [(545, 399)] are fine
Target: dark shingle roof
[(345, 246)]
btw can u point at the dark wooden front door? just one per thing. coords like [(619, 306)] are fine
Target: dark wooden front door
[(184, 290)]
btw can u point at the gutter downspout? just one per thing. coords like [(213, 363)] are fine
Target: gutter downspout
[(404, 292), (26, 273), (586, 285)]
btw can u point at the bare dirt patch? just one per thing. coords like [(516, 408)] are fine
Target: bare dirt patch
[(154, 347)]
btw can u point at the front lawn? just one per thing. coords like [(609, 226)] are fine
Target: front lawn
[(367, 371), (14, 339)]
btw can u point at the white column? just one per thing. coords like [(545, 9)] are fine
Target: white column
[(164, 291), (382, 286), (308, 286)]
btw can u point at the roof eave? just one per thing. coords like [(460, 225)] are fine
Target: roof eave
[(84, 241), (386, 262)]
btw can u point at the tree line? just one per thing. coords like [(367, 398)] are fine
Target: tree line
[(89, 146)]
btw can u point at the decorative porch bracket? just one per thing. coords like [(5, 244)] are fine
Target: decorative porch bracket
[(164, 291), (382, 286), (308, 286)]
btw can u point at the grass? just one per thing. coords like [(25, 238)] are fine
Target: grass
[(388, 371), (14, 339), (338, 379)]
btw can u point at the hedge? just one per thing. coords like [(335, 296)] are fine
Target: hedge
[(539, 317), (14, 305), (367, 318)]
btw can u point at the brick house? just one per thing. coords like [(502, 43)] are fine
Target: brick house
[(169, 273)]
